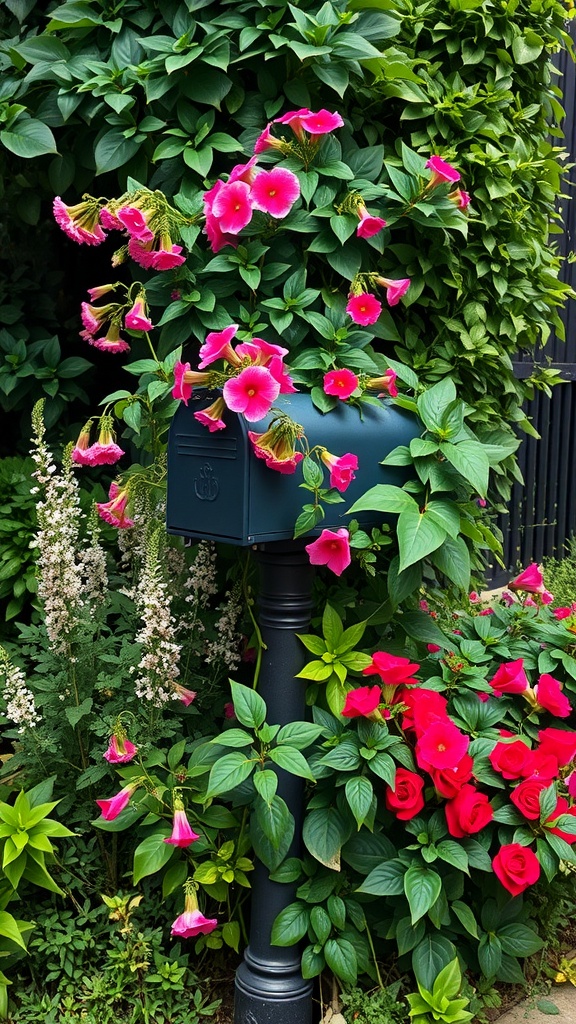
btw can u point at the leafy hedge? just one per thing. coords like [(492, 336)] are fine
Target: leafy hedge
[(96, 92)]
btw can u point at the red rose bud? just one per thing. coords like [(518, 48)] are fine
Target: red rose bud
[(405, 797)]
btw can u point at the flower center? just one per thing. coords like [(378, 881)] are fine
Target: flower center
[(441, 747), (251, 392)]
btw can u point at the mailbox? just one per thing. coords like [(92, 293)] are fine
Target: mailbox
[(218, 489)]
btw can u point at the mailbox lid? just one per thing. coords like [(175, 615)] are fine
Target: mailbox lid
[(218, 489)]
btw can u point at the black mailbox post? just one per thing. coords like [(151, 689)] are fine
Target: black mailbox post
[(218, 490)]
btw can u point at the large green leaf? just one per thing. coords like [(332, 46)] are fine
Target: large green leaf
[(292, 761), (228, 772), (471, 461), (433, 403), (114, 150), (275, 820), (341, 959), (291, 925), (418, 535), (384, 498), (249, 707), (151, 855), (422, 886), (453, 559), (359, 794), (29, 138), (386, 879), (324, 833)]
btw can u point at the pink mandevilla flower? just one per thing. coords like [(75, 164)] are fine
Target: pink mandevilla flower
[(320, 123), (120, 750), (368, 225), (110, 809), (364, 309), (331, 549), (136, 319), (252, 392), (211, 417), (395, 289), (114, 511), (182, 834), (442, 745), (181, 390), (232, 206), (341, 469), (112, 342), (184, 695), (244, 172), (135, 222), (362, 702), (275, 192), (191, 923), (340, 383), (217, 346), (441, 172)]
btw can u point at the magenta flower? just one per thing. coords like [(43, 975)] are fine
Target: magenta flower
[(167, 256), (393, 670), (110, 809), (114, 511), (278, 370), (510, 677), (109, 220), (362, 703), (364, 309), (548, 693), (186, 696), (79, 453), (191, 923), (267, 141), (181, 390), (103, 454), (135, 222), (441, 172), (232, 207), (331, 549), (341, 383), (460, 198), (321, 123), (293, 118), (211, 417), (182, 834), (275, 192), (395, 289), (442, 745), (120, 750), (80, 222), (369, 225), (100, 291), (341, 469), (244, 172), (217, 346), (259, 351), (276, 447), (252, 392), (386, 383), (530, 580), (136, 319), (111, 342), (94, 316)]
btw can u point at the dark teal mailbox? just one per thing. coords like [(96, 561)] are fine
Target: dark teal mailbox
[(219, 490)]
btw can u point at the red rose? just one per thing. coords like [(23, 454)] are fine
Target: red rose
[(516, 867), (550, 697), (468, 812), (512, 760), (562, 807), (362, 702), (560, 743), (449, 781), (405, 799), (510, 678), (526, 797)]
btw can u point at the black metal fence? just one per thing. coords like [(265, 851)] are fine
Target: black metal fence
[(542, 512)]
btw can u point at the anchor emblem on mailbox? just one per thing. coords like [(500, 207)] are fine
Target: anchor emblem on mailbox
[(206, 486)]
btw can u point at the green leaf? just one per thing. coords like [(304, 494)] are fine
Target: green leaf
[(233, 738), (151, 855), (332, 627), (469, 459), (402, 584), (266, 784), (519, 940), (418, 536), (453, 559), (9, 929), (359, 794), (274, 819), (299, 734), (29, 138), (321, 924), (114, 150), (312, 963), (341, 959), (228, 772), (386, 879), (292, 761), (433, 402), (489, 954), (430, 957), (249, 707), (291, 925), (324, 834), (74, 714), (384, 498), (174, 877), (422, 887), (452, 852), (466, 917)]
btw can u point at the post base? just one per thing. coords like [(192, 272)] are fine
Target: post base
[(269, 993)]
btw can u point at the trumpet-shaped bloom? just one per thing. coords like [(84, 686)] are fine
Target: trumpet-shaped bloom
[(267, 141), (442, 745), (232, 206), (321, 122), (244, 172), (279, 372), (191, 923), (120, 750), (364, 309), (79, 453), (341, 469), (386, 383), (276, 447), (395, 289), (275, 192), (442, 172), (181, 391), (341, 383), (135, 222), (368, 225), (293, 118), (114, 511), (110, 809), (361, 703), (136, 319), (530, 580), (259, 351), (80, 222), (252, 392), (331, 549), (211, 417), (181, 693), (460, 198), (217, 346), (182, 834), (510, 678), (111, 342)]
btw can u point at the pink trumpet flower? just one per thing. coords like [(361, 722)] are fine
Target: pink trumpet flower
[(111, 808), (120, 750)]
